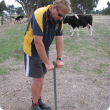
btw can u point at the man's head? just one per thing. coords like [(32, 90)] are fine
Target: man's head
[(60, 8), (64, 4)]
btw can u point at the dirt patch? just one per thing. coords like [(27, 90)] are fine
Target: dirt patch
[(16, 52), (75, 90)]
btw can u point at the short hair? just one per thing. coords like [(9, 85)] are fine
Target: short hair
[(64, 4)]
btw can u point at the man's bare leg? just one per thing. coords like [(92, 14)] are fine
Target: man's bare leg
[(41, 87), (36, 89)]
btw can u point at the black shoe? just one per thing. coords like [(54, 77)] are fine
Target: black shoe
[(43, 105), (36, 107)]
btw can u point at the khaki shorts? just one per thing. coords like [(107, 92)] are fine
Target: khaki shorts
[(34, 67)]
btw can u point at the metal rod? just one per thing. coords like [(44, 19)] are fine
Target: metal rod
[(55, 91)]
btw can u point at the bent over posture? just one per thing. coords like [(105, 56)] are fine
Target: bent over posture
[(46, 22)]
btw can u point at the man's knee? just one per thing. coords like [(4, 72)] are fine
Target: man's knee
[(38, 81)]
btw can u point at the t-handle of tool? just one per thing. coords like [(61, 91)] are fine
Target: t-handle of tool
[(55, 92)]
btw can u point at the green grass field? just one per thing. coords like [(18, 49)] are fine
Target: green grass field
[(93, 53), (11, 42)]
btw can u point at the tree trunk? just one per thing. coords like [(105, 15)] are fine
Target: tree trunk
[(29, 15), (10, 18), (2, 20)]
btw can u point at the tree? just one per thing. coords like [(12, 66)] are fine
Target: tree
[(108, 3), (2, 7), (30, 5), (19, 10), (83, 6), (11, 10), (103, 11), (97, 12)]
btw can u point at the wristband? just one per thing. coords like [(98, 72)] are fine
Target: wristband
[(59, 59)]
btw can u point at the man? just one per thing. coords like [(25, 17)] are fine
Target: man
[(46, 22)]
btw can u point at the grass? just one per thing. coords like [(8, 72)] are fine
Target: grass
[(102, 31), (88, 54), (11, 40), (5, 71), (11, 44)]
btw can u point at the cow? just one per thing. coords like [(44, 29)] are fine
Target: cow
[(75, 21), (19, 19)]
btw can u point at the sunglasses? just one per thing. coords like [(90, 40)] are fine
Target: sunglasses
[(59, 13)]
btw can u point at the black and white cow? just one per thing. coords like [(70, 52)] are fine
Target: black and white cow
[(19, 19), (79, 20)]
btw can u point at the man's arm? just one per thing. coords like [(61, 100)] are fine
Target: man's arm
[(59, 48), (41, 51)]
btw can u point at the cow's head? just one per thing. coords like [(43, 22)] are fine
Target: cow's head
[(65, 19)]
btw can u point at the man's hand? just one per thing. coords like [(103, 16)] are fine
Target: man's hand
[(59, 63), (49, 66)]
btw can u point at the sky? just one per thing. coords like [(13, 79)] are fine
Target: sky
[(101, 4), (10, 2)]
